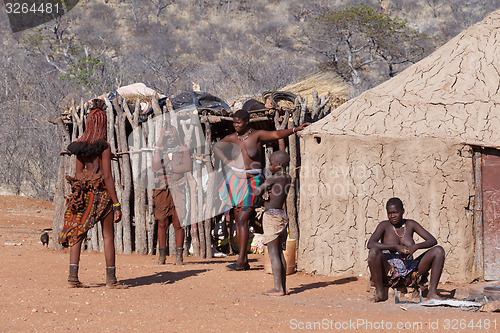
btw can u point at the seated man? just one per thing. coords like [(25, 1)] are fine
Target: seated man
[(391, 254)]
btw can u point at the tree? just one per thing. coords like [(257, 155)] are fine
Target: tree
[(468, 12), (76, 54), (159, 6), (435, 5), (360, 42)]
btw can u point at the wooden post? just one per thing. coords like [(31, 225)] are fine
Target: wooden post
[(195, 240), (151, 129), (139, 192), (298, 117), (303, 109), (210, 187), (281, 125), (318, 105), (112, 140), (126, 177), (77, 121), (188, 129), (158, 125), (291, 198), (59, 201), (478, 217), (199, 185)]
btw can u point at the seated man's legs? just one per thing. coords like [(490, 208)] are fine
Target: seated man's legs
[(432, 260), (378, 269)]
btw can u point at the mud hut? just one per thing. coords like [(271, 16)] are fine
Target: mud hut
[(429, 136)]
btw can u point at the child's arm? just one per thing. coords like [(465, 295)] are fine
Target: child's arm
[(263, 187)]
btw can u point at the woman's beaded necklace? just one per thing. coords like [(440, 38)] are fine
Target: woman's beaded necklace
[(244, 136), (404, 230)]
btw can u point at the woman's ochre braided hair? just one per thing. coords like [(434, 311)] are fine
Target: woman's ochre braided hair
[(96, 124), (93, 141)]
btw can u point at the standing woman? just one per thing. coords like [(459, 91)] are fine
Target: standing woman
[(93, 196)]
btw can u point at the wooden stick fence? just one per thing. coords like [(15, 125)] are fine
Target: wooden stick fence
[(133, 143)]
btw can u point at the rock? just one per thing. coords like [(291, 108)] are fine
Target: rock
[(470, 290), (491, 307)]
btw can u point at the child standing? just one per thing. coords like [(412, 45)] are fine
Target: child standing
[(274, 222)]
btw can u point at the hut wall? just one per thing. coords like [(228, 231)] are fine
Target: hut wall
[(346, 181)]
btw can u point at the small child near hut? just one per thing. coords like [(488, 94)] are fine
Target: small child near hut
[(275, 220)]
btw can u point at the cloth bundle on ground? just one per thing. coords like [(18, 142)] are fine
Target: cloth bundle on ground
[(403, 271)]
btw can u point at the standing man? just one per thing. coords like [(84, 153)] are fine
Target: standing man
[(242, 152), (171, 160)]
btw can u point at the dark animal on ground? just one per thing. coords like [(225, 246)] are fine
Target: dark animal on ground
[(44, 238)]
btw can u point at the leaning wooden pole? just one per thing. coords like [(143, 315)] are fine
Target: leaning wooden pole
[(298, 118), (126, 176), (210, 187), (112, 140), (478, 267), (199, 171), (151, 143), (139, 192), (59, 200), (291, 198), (281, 122), (188, 129), (158, 124)]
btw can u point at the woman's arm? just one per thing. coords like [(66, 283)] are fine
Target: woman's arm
[(429, 240), (108, 180), (219, 151), (280, 134)]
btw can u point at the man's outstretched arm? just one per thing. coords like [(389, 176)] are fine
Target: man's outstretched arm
[(280, 134)]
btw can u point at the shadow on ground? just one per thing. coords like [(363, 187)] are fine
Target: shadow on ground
[(325, 284), (162, 277)]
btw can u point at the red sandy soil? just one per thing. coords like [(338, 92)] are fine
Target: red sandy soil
[(201, 296)]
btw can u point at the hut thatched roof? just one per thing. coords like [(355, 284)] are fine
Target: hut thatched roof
[(452, 94), (323, 83)]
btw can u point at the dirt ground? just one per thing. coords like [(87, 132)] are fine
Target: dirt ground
[(201, 296)]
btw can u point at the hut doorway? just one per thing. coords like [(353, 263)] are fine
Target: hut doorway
[(490, 186)]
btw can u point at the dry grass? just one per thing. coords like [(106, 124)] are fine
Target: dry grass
[(324, 83), (132, 98)]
